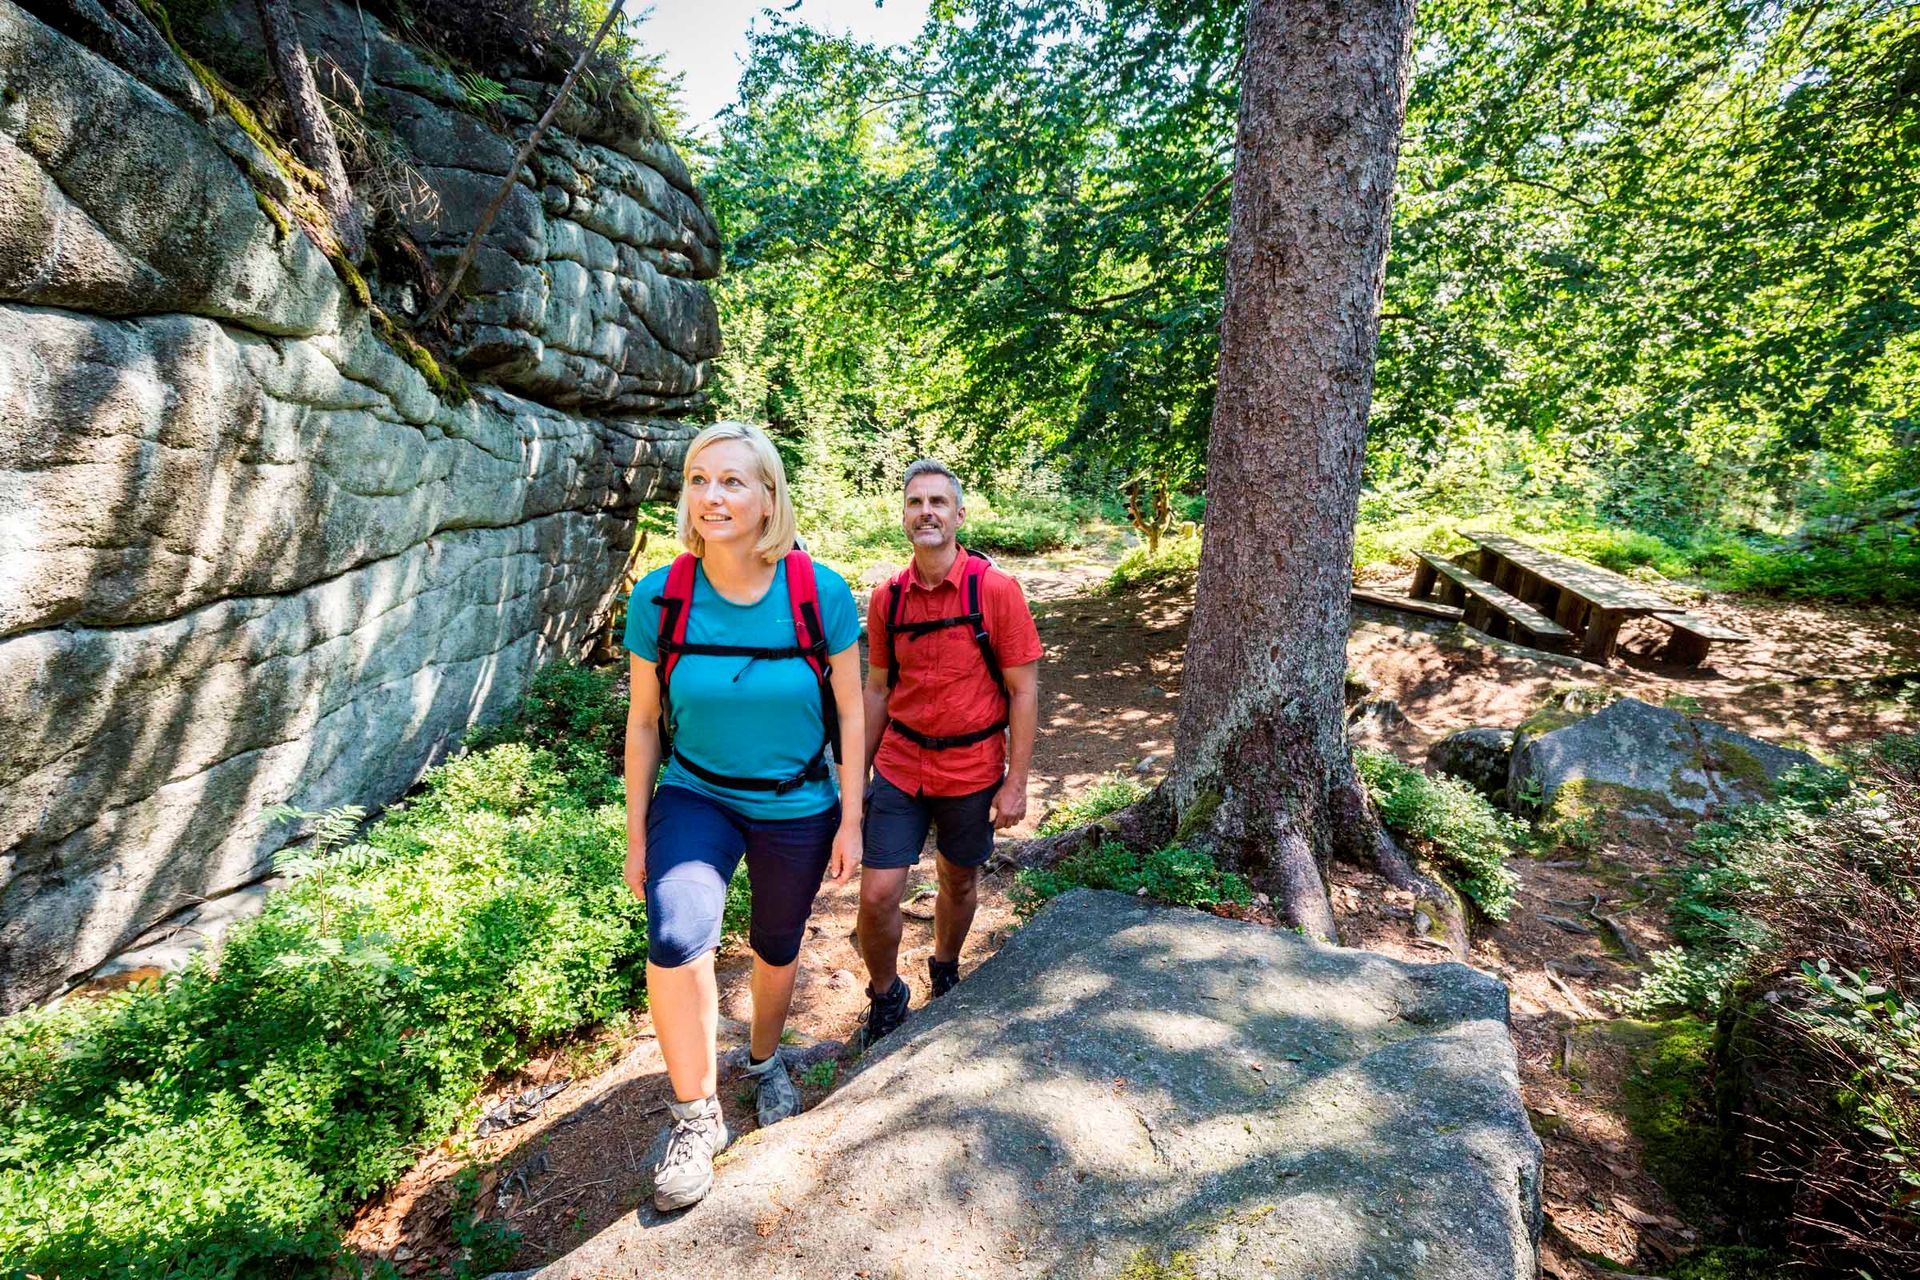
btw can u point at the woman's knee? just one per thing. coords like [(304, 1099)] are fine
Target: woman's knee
[(683, 920)]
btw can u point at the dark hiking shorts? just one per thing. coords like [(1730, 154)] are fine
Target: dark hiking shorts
[(897, 826), (694, 845)]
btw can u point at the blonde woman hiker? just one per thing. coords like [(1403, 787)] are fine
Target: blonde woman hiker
[(746, 676)]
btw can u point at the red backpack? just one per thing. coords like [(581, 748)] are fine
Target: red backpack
[(975, 570), (803, 597)]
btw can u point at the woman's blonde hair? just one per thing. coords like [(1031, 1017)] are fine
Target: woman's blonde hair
[(776, 539)]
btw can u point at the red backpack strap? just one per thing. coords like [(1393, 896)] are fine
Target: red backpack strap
[(977, 566), (803, 596), (896, 610), (676, 607)]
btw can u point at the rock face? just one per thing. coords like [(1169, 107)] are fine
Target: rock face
[(1124, 1083), (247, 554), (1634, 760), (1478, 757)]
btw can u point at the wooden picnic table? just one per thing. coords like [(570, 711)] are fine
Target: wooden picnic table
[(1587, 600)]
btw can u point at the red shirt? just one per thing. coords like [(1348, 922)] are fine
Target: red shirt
[(944, 687)]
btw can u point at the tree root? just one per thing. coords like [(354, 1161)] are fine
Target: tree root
[(1291, 873)]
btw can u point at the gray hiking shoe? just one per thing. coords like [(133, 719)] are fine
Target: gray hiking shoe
[(778, 1098), (685, 1173)]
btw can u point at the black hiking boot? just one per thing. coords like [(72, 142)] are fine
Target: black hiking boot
[(885, 1013), (942, 975)]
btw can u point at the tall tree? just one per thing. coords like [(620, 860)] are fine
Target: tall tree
[(317, 144), (1261, 740)]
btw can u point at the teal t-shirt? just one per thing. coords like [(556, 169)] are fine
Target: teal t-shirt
[(747, 717)]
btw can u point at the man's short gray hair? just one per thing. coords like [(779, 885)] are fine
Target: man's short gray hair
[(933, 467)]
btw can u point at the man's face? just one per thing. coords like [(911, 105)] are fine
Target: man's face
[(930, 515)]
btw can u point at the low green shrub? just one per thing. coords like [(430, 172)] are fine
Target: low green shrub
[(1178, 558), (1449, 823), (221, 1121), (1109, 795), (1175, 874), (1742, 851), (1018, 533), (572, 710)]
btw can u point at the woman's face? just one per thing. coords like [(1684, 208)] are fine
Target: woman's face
[(727, 500)]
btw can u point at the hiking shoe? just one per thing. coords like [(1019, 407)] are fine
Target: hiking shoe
[(942, 975), (685, 1173), (885, 1013), (778, 1098)]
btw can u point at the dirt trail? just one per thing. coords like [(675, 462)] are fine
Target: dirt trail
[(1110, 684)]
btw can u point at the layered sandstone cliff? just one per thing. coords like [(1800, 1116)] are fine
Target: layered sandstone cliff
[(248, 554)]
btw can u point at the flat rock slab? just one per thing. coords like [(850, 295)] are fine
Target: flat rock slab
[(1635, 760), (1124, 1088)]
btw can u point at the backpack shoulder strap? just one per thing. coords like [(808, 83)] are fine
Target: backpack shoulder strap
[(803, 597), (896, 610), (676, 608), (977, 566)]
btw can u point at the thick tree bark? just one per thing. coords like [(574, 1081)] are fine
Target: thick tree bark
[(1261, 740), (317, 144)]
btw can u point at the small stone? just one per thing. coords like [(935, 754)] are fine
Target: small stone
[(1422, 922), (841, 979), (1147, 764)]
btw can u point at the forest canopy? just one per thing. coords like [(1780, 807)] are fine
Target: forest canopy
[(1652, 264)]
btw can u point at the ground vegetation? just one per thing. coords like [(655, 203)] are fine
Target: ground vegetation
[(224, 1120), (1796, 932)]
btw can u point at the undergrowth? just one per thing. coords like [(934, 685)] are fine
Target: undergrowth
[(1178, 875), (1798, 926), (1109, 795), (1178, 559), (224, 1119), (1449, 823)]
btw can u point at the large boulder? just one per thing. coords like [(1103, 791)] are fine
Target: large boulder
[(1635, 760), (251, 551), (1124, 1083), (1478, 757)]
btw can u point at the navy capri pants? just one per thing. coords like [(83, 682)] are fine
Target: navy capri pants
[(694, 845)]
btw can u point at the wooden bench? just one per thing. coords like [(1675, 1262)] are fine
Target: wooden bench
[(1692, 635), (1487, 607)]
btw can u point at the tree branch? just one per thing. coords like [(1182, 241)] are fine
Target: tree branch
[(520, 159)]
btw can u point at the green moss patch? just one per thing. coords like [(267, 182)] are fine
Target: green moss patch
[(1199, 816), (1667, 1098), (1145, 1265)]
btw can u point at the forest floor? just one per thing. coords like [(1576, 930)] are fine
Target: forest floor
[(1815, 676)]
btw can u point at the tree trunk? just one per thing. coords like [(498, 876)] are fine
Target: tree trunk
[(1261, 741), (317, 145)]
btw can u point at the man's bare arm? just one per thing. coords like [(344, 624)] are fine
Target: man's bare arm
[(1023, 715)]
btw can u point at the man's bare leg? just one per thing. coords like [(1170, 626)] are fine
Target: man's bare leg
[(953, 909), (880, 892)]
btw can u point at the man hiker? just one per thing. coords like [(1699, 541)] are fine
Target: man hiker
[(952, 697)]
